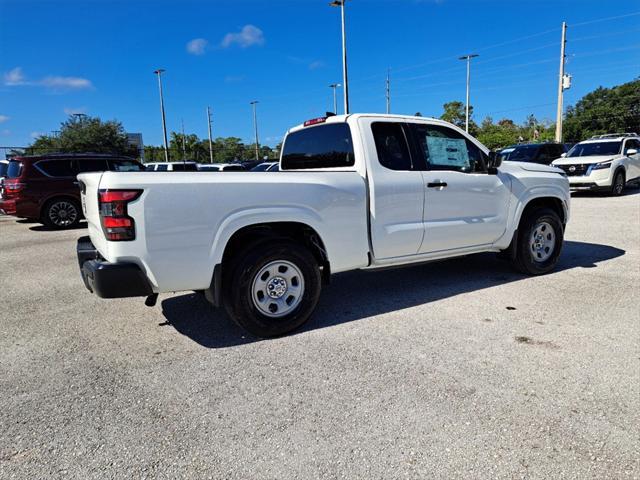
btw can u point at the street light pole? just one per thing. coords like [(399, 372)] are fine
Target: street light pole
[(164, 121), (255, 126), (334, 86), (563, 43), (345, 80), (388, 91), (210, 141), (468, 59)]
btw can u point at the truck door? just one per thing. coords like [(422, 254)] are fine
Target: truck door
[(464, 206), (396, 190)]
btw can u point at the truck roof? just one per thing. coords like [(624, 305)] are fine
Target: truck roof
[(343, 118)]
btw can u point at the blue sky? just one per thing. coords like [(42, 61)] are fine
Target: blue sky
[(97, 57)]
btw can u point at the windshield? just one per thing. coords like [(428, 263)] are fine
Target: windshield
[(595, 148), (524, 153)]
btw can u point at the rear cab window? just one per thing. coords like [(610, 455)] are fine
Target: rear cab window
[(125, 166), (323, 146)]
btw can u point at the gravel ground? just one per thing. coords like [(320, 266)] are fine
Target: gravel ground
[(459, 369)]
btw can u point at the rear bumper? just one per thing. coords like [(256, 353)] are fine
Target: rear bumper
[(110, 280), (8, 206)]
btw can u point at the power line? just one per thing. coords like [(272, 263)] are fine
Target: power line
[(589, 22)]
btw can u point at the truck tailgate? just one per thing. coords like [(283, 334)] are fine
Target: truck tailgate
[(89, 186)]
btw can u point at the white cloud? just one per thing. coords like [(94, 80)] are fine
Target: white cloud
[(72, 83), (3, 118), (234, 78), (14, 77), (316, 65), (197, 46), (246, 37), (71, 111)]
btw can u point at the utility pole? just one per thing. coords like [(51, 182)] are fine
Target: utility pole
[(563, 42), (164, 121), (388, 91), (334, 86), (345, 81), (184, 144), (210, 141), (468, 59), (255, 126)]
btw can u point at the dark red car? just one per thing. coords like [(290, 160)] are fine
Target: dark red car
[(45, 188)]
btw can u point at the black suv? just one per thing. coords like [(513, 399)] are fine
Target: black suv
[(543, 153)]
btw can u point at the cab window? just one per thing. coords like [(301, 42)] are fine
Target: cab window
[(446, 149)]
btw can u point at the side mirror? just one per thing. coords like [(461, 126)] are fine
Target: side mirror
[(632, 151), (494, 162), (563, 155)]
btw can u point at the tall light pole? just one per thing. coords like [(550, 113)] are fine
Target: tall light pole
[(210, 141), (184, 143), (164, 121), (255, 127), (334, 86), (561, 84), (388, 91), (468, 59), (345, 80)]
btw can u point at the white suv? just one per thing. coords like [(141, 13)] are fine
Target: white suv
[(604, 162)]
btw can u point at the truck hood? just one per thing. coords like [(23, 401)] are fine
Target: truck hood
[(583, 160), (531, 167)]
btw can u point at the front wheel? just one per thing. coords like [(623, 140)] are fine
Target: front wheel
[(539, 243), (617, 187), (272, 288)]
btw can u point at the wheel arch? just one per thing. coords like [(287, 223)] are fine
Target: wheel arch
[(256, 233), (58, 196)]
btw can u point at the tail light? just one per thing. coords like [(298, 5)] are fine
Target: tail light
[(12, 187), (117, 225)]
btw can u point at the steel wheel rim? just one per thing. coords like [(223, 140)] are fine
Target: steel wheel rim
[(277, 288), (63, 214), (542, 241)]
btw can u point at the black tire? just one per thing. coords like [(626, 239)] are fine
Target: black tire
[(529, 258), (617, 187), (60, 213), (242, 272)]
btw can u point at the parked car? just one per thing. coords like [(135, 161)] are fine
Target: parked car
[(266, 167), (362, 191), (4, 164), (543, 153), (45, 188), (171, 167), (604, 162), (221, 167)]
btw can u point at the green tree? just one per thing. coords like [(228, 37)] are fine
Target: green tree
[(605, 110), (90, 134), (454, 112)]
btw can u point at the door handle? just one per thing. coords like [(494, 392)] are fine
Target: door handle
[(436, 184)]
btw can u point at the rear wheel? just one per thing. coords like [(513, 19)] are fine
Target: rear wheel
[(540, 237), (617, 187), (272, 288), (61, 213)]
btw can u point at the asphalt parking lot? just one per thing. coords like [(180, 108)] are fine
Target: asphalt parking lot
[(459, 369)]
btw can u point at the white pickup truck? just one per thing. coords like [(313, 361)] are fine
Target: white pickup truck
[(362, 191)]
